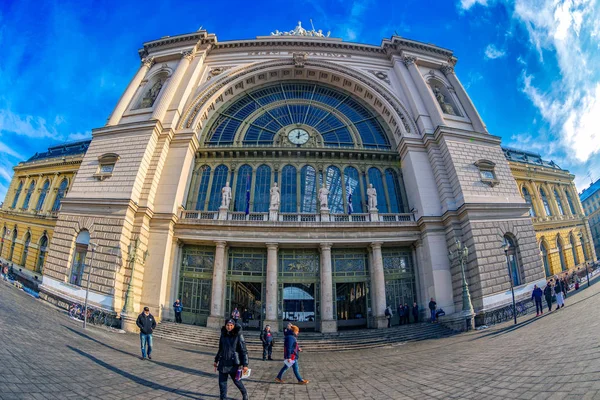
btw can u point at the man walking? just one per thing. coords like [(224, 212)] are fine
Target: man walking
[(432, 307), (537, 296), (558, 290), (548, 294), (235, 315), (177, 307), (231, 357), (146, 323), (266, 337)]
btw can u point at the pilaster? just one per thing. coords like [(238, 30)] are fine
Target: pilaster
[(217, 311)]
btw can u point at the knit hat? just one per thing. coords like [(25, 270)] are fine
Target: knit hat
[(230, 321)]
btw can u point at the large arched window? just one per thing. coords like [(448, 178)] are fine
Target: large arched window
[(2, 240), (13, 243), (62, 189), (26, 243), (242, 188), (351, 180), (333, 180), (561, 253), (43, 249), (17, 195), (558, 203), (308, 190), (288, 189), (545, 260), (585, 254), (262, 188), (527, 198), (573, 243), (571, 207), (203, 188), (78, 267), (43, 194), (393, 186), (376, 180), (219, 180), (512, 258), (545, 202), (28, 195)]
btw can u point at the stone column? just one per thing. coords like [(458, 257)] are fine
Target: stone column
[(424, 91), (216, 318), (464, 99), (271, 304), (378, 285), (49, 202), (130, 91), (328, 324), (167, 96)]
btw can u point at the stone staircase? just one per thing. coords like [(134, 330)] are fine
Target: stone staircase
[(310, 341)]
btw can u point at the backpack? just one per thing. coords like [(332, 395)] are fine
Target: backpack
[(387, 312)]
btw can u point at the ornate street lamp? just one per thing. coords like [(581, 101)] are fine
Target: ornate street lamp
[(132, 258), (87, 288), (507, 248), (587, 275), (461, 254)]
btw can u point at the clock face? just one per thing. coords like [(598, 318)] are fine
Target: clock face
[(298, 136)]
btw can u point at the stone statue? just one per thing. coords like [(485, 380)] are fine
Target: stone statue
[(323, 196), (446, 107), (372, 196), (225, 196), (151, 95), (275, 199)]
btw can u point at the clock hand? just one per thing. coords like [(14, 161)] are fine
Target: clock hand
[(298, 135)]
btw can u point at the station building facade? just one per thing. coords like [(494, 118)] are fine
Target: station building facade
[(296, 176)]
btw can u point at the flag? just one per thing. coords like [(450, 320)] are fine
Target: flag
[(350, 209), (248, 195)]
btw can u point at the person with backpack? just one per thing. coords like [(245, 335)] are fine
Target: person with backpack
[(548, 294), (389, 314), (231, 356), (432, 307), (537, 297)]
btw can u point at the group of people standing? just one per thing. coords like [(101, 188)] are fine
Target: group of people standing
[(404, 312), (555, 288)]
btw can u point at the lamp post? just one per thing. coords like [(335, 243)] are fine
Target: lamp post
[(132, 258), (87, 288), (587, 275), (461, 254), (510, 279)]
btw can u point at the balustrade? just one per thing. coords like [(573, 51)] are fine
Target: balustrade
[(191, 216)]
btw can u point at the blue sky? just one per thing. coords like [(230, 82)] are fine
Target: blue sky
[(530, 66)]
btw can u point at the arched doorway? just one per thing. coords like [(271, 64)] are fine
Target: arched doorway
[(574, 249), (512, 258), (545, 260), (78, 266), (561, 254)]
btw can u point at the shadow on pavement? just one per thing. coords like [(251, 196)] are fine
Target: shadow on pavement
[(162, 364), (138, 380)]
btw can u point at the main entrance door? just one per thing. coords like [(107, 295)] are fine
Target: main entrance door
[(351, 304), (245, 287)]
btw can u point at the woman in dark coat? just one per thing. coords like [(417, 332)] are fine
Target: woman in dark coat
[(291, 351), (231, 355), (548, 294)]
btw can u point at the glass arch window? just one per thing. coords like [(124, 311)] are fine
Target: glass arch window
[(527, 198), (26, 248), (288, 189), (376, 180), (17, 195), (28, 195), (558, 203), (395, 195), (545, 202), (585, 254), (308, 190), (43, 245), (62, 189), (12, 244), (512, 255), (242, 188), (353, 192), (43, 194), (561, 254), (219, 180), (333, 180), (81, 246), (571, 207), (545, 260), (574, 249), (262, 189), (267, 110), (2, 240), (203, 188)]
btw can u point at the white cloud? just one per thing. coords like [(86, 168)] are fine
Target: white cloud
[(25, 125), (11, 152), (492, 52), (79, 136), (466, 4)]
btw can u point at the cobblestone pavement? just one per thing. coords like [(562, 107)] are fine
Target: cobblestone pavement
[(46, 355)]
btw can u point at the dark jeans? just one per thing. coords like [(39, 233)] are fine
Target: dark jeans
[(223, 383), (178, 317), (432, 315), (407, 319), (416, 317), (294, 367), (549, 301), (401, 320), (267, 349), (389, 322), (538, 306), (146, 340)]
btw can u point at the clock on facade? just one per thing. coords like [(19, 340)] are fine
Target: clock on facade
[(298, 136)]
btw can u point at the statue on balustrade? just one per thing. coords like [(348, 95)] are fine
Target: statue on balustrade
[(225, 196), (323, 196), (275, 199), (372, 196)]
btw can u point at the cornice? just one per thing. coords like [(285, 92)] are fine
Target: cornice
[(195, 38), (127, 128), (397, 44)]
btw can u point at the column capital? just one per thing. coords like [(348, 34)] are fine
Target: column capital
[(148, 61), (220, 243), (447, 69), (326, 246), (272, 246), (376, 245), (188, 55), (409, 60)]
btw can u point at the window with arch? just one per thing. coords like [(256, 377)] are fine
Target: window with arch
[(558, 203), (545, 259), (26, 243), (13, 243), (335, 200), (527, 198), (2, 240), (81, 247), (203, 188), (308, 190), (28, 195), (43, 250), (352, 182), (377, 181), (219, 180), (561, 253), (513, 259), (573, 243), (17, 195), (393, 187), (62, 190), (585, 254), (243, 188), (571, 207), (545, 202), (262, 189), (43, 194), (288, 189)]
